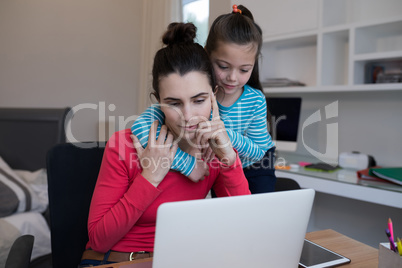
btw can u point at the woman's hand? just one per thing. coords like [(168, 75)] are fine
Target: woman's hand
[(214, 133), (156, 159)]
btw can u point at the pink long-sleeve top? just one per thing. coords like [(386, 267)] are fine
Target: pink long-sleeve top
[(122, 214)]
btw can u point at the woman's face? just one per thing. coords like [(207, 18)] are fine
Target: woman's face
[(185, 101)]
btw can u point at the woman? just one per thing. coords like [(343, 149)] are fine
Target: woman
[(133, 182)]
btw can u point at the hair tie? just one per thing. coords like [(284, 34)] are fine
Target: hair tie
[(236, 10)]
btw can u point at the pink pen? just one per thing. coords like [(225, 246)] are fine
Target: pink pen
[(391, 229)]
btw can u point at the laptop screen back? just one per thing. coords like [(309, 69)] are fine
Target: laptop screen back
[(261, 230)]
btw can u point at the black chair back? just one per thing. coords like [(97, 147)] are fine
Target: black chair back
[(20, 252), (286, 184), (72, 170)]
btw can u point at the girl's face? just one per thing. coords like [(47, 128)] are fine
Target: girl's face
[(233, 65), (185, 101)]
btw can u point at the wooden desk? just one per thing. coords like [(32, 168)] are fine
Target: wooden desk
[(361, 255)]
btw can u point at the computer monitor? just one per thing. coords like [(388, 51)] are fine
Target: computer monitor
[(284, 122)]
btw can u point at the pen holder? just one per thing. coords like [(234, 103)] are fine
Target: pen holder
[(388, 258)]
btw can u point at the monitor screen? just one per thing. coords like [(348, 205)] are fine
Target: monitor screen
[(284, 122)]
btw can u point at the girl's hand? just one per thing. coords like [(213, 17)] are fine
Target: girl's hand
[(208, 154), (214, 133), (199, 172), (156, 159)]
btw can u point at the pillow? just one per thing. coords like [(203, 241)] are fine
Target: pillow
[(8, 198), (16, 195), (37, 180)]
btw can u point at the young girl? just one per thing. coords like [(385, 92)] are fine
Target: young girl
[(132, 183), (233, 44)]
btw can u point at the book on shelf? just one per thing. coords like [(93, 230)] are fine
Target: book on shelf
[(392, 174), (281, 82)]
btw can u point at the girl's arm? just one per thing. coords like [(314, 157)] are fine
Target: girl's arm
[(257, 140), (183, 162)]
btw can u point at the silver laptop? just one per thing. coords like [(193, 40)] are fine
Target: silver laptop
[(261, 230)]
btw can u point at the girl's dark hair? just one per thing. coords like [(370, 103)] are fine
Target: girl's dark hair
[(181, 55), (240, 29)]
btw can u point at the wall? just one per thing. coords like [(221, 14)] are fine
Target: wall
[(217, 8), (71, 52)]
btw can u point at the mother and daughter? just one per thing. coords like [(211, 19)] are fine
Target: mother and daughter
[(133, 181), (233, 46)]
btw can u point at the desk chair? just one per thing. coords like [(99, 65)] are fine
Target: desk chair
[(285, 184), (20, 252), (72, 170)]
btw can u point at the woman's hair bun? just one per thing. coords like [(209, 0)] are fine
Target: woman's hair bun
[(179, 32)]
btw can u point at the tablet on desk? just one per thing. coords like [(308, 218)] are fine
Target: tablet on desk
[(316, 256)]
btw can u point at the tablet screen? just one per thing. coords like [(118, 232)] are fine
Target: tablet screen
[(316, 256)]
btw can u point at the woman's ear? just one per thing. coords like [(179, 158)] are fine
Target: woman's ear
[(156, 96), (215, 90)]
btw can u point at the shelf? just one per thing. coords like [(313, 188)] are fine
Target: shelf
[(377, 21), (336, 28), (292, 37), (378, 56), (334, 89), (351, 36), (349, 12), (384, 37), (280, 57), (334, 61), (366, 71)]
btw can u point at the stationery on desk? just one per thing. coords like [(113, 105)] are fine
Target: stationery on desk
[(391, 229), (390, 255), (392, 174), (391, 240), (324, 167), (363, 174), (390, 234), (399, 246)]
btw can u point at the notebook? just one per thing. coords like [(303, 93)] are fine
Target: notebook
[(393, 174), (261, 230)]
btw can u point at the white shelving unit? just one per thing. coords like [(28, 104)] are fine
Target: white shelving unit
[(327, 45), (334, 57)]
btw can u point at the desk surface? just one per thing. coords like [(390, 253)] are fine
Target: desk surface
[(341, 175), (343, 183), (361, 255)]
